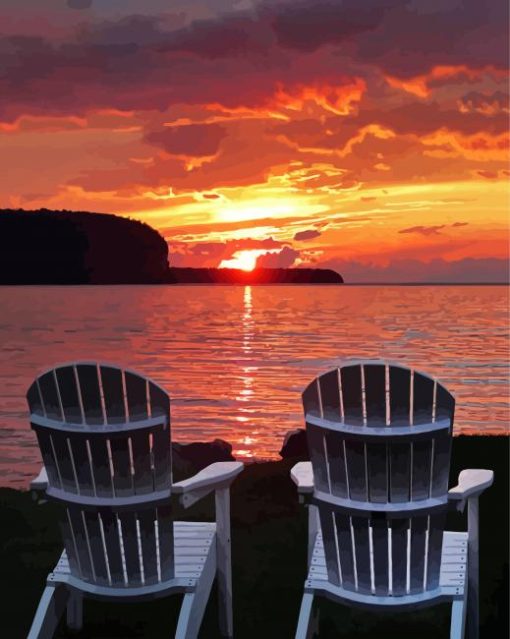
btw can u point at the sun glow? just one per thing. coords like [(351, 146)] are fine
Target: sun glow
[(244, 260)]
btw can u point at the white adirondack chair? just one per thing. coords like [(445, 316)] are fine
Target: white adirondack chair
[(379, 437), (104, 435)]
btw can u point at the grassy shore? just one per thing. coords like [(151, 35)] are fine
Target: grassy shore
[(269, 563)]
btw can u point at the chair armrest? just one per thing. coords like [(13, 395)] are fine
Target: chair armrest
[(472, 483), (302, 476), (40, 483), (213, 477)]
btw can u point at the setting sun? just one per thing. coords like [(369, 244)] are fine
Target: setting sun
[(244, 260)]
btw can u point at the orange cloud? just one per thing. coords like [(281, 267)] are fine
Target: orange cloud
[(481, 147), (338, 99), (419, 85)]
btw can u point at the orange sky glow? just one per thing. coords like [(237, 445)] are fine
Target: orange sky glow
[(248, 135)]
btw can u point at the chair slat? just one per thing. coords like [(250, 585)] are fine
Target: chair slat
[(101, 466), (315, 437), (380, 533), (96, 546), (445, 404), (113, 547), (400, 395), (140, 444), (400, 472), (311, 403), (377, 460), (49, 396), (78, 444), (162, 458), (34, 400), (44, 439), (399, 528), (148, 538), (330, 395), (63, 460), (66, 381), (166, 541), (343, 527), (337, 469), (159, 402), (418, 538), (351, 393), (136, 389), (375, 393), (90, 393), (441, 463), (122, 478), (130, 543), (356, 469), (422, 460), (82, 546), (330, 544), (113, 392), (423, 399), (70, 545), (435, 545), (362, 550)]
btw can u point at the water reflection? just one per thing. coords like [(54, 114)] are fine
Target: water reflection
[(235, 359), (247, 376)]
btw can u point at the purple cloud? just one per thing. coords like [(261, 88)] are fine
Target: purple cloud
[(306, 235), (467, 270), (424, 230), (284, 259), (192, 139)]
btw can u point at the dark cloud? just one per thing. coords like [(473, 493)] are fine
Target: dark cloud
[(284, 259), (490, 105), (240, 58), (460, 224), (468, 270), (193, 140), (306, 235), (307, 26), (79, 4), (489, 175), (424, 230)]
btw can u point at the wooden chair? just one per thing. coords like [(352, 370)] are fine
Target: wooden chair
[(379, 438), (104, 435)]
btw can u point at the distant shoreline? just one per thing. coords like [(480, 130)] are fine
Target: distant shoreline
[(345, 284)]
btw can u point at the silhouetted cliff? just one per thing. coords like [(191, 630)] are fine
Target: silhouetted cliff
[(64, 247), (258, 276)]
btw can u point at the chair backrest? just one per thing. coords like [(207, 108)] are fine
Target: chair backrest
[(379, 437), (104, 436)]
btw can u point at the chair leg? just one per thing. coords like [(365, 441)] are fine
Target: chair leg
[(75, 610), (50, 609), (305, 628), (194, 603), (224, 562), (458, 620)]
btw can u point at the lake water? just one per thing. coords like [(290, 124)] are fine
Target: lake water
[(235, 359)]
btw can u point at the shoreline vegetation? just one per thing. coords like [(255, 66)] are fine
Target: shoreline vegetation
[(269, 530), (69, 248)]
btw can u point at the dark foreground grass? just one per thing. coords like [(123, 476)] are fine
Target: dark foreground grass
[(269, 564)]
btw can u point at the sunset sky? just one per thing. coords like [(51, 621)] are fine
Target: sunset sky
[(368, 136)]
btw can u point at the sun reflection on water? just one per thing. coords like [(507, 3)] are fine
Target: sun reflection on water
[(247, 376)]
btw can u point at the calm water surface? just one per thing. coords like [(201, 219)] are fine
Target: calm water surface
[(235, 359)]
